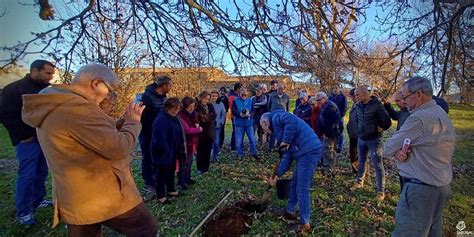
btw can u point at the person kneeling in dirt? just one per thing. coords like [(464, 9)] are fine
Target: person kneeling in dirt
[(300, 143)]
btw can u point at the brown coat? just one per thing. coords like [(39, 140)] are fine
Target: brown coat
[(88, 157)]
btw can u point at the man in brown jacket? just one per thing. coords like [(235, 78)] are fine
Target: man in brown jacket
[(89, 158)]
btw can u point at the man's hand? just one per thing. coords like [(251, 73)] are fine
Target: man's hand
[(284, 146), (272, 181), (401, 156), (134, 112)]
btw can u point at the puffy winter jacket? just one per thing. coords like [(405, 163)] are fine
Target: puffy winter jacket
[(154, 103), (372, 119)]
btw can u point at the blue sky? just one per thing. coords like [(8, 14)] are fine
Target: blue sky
[(20, 20)]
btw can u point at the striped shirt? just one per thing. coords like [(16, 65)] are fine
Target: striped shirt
[(432, 145)]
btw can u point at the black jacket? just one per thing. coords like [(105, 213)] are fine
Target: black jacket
[(329, 122), (372, 119), (154, 103), (12, 103), (352, 123), (399, 116)]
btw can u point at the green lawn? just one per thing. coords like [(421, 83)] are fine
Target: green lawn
[(335, 210)]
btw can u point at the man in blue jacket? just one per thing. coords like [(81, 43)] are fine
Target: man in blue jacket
[(300, 143), (330, 126), (340, 100)]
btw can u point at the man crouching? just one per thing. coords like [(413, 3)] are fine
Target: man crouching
[(298, 142)]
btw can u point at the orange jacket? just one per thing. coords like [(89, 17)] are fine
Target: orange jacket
[(88, 157)]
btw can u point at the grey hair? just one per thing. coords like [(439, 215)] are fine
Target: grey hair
[(312, 100), (321, 94), (418, 83), (261, 86), (265, 117), (95, 71)]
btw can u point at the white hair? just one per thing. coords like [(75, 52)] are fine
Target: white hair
[(321, 94), (95, 71), (419, 83), (265, 117), (261, 86)]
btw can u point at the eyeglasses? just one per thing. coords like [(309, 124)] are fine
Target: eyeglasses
[(110, 88), (406, 97)]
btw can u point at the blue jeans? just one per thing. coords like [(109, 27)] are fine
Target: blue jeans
[(340, 141), (420, 210), (147, 166), (376, 151), (32, 173), (216, 144), (300, 185), (239, 140)]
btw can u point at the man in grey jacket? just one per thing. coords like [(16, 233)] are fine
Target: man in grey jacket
[(426, 167)]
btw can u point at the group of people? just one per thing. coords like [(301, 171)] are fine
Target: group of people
[(63, 128)]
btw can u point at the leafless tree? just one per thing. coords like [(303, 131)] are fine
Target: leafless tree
[(286, 36), (436, 36)]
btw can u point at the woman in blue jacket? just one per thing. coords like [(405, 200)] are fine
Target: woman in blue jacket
[(300, 143), (167, 146)]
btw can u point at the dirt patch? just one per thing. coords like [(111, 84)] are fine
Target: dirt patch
[(235, 220), (8, 165)]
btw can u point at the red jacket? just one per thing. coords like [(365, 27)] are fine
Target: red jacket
[(189, 122), (314, 120)]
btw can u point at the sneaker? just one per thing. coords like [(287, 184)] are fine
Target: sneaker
[(257, 158), (356, 186), (380, 197), (27, 220), (149, 189), (45, 203)]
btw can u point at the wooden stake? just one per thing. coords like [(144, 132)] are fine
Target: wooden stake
[(210, 213)]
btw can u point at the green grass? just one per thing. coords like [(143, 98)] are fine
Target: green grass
[(6, 148), (335, 210)]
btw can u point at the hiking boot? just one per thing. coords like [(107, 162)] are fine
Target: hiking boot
[(302, 228), (356, 186), (282, 213), (27, 220), (380, 197), (44, 204)]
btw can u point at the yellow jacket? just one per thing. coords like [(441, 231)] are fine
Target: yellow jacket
[(88, 157)]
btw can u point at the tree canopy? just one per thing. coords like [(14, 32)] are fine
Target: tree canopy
[(318, 39)]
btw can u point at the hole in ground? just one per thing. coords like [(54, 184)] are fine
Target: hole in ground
[(235, 220)]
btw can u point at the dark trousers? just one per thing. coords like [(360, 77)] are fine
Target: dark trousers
[(203, 155), (138, 222), (165, 180), (353, 154), (147, 166), (232, 138), (222, 136), (185, 172)]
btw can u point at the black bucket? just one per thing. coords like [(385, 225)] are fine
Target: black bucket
[(283, 188)]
